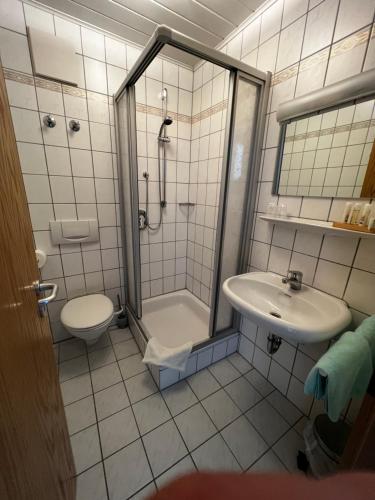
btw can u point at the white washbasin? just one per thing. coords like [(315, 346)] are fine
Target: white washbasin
[(306, 316)]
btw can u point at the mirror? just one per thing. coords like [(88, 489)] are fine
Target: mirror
[(329, 154)]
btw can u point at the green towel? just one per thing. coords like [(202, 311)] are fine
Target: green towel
[(367, 330), (343, 372)]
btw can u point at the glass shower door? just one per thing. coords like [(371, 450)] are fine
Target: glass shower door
[(126, 126), (237, 195)]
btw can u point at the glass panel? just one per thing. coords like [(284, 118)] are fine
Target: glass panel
[(237, 192), (131, 264)]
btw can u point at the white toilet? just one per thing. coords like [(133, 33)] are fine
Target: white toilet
[(87, 317)]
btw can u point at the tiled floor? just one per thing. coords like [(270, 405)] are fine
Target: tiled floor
[(128, 438)]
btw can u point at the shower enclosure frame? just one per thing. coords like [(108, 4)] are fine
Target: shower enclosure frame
[(127, 151)]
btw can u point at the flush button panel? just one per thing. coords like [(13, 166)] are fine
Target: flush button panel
[(64, 232)]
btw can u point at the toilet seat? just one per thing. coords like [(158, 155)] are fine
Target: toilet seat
[(87, 317), (87, 312)]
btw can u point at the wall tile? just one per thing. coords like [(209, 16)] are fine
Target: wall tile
[(360, 291), (331, 277), (14, 51), (350, 18), (319, 27)]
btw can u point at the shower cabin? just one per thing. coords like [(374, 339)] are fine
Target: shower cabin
[(189, 157)]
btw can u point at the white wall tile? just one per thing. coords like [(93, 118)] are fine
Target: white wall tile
[(319, 27), (96, 78), (32, 158), (340, 250), (115, 52), (11, 16), (360, 291), (26, 125), (37, 188), (350, 18), (14, 51), (331, 277), (293, 9), (93, 44), (21, 95), (58, 160)]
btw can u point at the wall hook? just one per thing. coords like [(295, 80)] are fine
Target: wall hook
[(49, 121), (74, 125)]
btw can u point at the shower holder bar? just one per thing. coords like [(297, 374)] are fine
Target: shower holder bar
[(186, 204)]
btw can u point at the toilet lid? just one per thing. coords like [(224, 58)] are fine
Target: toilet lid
[(87, 311)]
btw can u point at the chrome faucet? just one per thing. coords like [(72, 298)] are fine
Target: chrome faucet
[(294, 278)]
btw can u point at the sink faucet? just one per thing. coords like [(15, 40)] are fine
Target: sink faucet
[(294, 278)]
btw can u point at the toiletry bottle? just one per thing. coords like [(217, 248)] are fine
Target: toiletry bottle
[(364, 215), (371, 218), (346, 213), (355, 213)]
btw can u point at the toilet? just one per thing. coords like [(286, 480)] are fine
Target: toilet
[(87, 317)]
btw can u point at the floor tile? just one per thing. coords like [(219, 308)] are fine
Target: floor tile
[(120, 335), (91, 484), (103, 341), (203, 384), (287, 449), (80, 414), (132, 366), (290, 412), (243, 393), (260, 383), (239, 362), (73, 368), (244, 441), (179, 397), (221, 408), (195, 426), (125, 349), (164, 447), (268, 463), (215, 455), (140, 386), (224, 372), (117, 431), (101, 357), (145, 492), (86, 448), (127, 471), (111, 400), (71, 349), (76, 388), (105, 377), (151, 412), (183, 467), (268, 422)]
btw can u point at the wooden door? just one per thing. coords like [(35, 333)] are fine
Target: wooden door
[(36, 460)]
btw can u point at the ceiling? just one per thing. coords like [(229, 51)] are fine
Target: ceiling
[(208, 21)]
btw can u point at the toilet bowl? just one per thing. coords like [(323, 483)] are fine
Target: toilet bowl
[(87, 317)]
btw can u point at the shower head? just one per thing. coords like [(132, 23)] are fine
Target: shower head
[(167, 121)]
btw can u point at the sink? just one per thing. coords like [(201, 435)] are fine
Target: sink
[(305, 316)]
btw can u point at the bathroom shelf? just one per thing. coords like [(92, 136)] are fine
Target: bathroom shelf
[(312, 225)]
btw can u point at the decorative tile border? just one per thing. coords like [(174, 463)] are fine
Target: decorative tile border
[(220, 106), (143, 108), (332, 130), (338, 49)]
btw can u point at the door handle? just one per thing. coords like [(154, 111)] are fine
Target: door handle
[(40, 288)]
